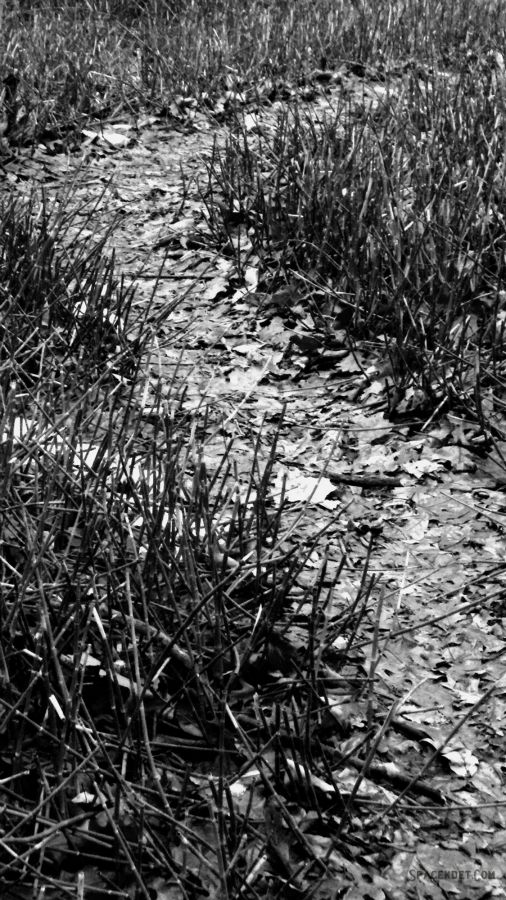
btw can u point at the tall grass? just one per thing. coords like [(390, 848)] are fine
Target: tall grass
[(102, 57)]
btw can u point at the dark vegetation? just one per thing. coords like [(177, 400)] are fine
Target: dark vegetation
[(162, 728)]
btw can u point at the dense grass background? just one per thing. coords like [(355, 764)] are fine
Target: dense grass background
[(102, 57)]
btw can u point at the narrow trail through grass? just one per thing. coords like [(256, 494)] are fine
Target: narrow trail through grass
[(320, 701)]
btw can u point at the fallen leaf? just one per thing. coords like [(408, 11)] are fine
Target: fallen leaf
[(115, 139), (215, 287), (301, 488), (462, 762)]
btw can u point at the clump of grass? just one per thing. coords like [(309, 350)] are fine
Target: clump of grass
[(393, 212), (62, 313)]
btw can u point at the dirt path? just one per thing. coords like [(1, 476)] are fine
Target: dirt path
[(429, 510)]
